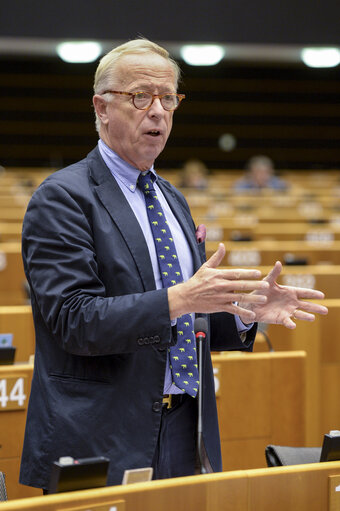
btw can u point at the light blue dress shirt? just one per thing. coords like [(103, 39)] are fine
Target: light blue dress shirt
[(126, 176)]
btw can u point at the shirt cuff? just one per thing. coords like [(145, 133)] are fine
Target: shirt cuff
[(242, 328)]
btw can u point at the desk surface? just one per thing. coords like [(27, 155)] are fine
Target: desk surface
[(293, 488)]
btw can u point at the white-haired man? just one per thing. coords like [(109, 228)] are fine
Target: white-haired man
[(109, 316)]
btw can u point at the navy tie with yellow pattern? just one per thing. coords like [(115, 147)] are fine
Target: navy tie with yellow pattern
[(183, 356)]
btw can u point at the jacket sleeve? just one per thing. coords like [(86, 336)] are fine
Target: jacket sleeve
[(224, 335), (60, 260)]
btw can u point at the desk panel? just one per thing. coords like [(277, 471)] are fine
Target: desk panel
[(320, 340), (12, 276), (15, 386), (265, 253), (295, 488), (18, 320), (260, 401)]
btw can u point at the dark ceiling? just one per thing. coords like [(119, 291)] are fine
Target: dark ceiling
[(310, 22)]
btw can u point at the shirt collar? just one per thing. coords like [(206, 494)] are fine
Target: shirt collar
[(120, 169)]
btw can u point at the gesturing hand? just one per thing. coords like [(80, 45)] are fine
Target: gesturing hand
[(212, 289), (285, 303)]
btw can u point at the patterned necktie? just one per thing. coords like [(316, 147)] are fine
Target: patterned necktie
[(183, 356)]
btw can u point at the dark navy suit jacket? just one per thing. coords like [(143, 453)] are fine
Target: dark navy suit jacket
[(102, 328)]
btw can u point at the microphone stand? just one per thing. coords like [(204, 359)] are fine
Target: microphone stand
[(200, 328)]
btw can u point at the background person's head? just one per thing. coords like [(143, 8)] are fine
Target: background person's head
[(194, 174), (260, 170)]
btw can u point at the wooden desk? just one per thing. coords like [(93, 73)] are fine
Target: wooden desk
[(260, 401), (326, 278), (14, 200), (272, 231), (320, 340), (18, 320), (294, 488), (14, 214), (12, 276), (10, 231), (227, 214), (296, 232), (15, 387), (270, 409), (267, 252)]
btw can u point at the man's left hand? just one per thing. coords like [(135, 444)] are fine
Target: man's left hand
[(285, 303)]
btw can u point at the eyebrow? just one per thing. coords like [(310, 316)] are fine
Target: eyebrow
[(147, 88)]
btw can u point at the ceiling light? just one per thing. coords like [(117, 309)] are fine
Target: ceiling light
[(227, 142), (79, 51), (202, 54), (321, 57)]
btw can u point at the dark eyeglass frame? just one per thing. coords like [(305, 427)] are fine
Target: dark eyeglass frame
[(153, 97)]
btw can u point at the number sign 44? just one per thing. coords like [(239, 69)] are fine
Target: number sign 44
[(12, 393)]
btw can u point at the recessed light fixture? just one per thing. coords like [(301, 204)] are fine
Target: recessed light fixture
[(202, 54), (227, 142), (321, 57), (79, 51)]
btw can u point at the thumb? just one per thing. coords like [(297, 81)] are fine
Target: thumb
[(216, 259), (274, 273)]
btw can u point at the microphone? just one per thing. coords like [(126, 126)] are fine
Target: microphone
[(200, 328)]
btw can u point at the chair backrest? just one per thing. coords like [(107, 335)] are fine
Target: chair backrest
[(3, 492), (279, 455)]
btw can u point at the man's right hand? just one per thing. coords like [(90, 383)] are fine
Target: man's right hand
[(212, 289)]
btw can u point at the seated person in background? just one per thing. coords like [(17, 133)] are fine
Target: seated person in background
[(260, 175), (194, 174)]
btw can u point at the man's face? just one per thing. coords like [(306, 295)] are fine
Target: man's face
[(137, 136), (261, 174)]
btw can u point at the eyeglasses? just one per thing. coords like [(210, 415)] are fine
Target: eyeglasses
[(170, 101)]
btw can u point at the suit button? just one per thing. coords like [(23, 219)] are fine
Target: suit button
[(157, 406), (140, 341), (156, 338)]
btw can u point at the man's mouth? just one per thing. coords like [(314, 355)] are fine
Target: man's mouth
[(154, 133)]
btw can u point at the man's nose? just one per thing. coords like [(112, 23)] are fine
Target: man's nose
[(156, 108)]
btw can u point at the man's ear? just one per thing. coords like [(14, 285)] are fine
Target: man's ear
[(100, 106)]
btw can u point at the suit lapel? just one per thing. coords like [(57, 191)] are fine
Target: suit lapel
[(114, 201)]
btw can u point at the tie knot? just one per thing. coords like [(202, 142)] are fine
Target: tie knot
[(145, 182)]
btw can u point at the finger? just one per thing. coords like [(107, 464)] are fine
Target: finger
[(247, 315), (242, 298), (304, 316), (247, 285), (288, 323), (274, 273), (215, 260), (313, 294), (315, 308), (305, 292), (239, 273)]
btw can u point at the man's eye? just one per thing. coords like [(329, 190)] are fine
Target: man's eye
[(142, 95)]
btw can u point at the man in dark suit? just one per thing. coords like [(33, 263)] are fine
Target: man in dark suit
[(105, 320)]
